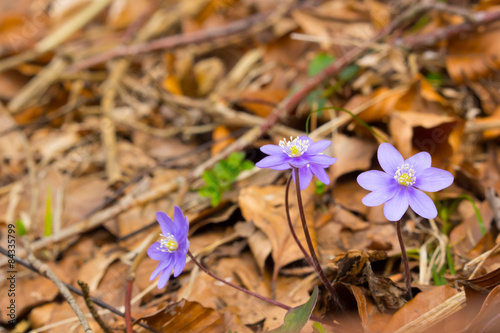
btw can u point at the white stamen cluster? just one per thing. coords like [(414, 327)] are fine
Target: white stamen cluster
[(295, 147), (405, 175), (168, 243)]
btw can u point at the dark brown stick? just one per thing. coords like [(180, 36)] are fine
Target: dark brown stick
[(90, 305), (171, 42), (430, 39), (314, 258), (407, 274)]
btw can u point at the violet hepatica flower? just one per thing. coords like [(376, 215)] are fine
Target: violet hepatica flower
[(172, 248), (402, 183), (302, 153)]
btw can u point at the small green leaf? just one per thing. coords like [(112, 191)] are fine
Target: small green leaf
[(435, 79), (320, 187), (320, 62), (296, 318), (48, 213), (235, 159), (349, 73), (207, 191), (21, 229), (210, 178), (315, 99), (247, 165), (216, 197), (318, 328)]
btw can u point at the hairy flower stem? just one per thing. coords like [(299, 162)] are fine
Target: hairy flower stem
[(405, 260), (314, 258), (246, 291), (287, 209)]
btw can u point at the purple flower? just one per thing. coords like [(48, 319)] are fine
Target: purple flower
[(399, 185), (302, 153), (172, 248)]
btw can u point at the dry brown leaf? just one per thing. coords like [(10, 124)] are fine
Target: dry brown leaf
[(31, 290), (185, 317), (261, 102), (466, 235), (265, 208), (426, 132), (474, 55), (487, 320), (420, 304), (372, 319), (222, 138), (352, 154)]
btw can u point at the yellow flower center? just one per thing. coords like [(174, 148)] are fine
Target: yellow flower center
[(295, 147), (168, 243), (405, 175)]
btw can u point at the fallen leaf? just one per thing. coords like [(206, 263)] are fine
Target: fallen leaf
[(420, 304)]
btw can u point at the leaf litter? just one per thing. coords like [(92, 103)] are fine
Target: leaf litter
[(110, 112)]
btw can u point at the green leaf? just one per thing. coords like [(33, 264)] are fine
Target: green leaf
[(208, 191), (349, 73), (48, 213), (247, 165), (235, 159), (216, 197), (320, 62), (435, 79), (320, 187), (210, 178), (21, 229), (315, 99), (318, 328), (296, 318)]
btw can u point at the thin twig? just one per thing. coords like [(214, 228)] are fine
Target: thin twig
[(405, 260), (314, 258), (45, 270), (90, 305), (430, 39), (96, 301)]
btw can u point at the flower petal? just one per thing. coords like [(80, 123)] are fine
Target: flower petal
[(421, 203), (420, 161), (180, 262), (156, 254), (321, 160), (378, 197), (318, 147), (395, 208), (375, 180), (320, 173), (166, 223), (165, 275), (180, 223), (305, 177), (161, 266), (281, 167), (306, 138), (272, 150), (300, 161), (389, 158), (272, 161), (433, 179)]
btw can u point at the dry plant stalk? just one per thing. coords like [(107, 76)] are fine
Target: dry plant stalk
[(47, 271)]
